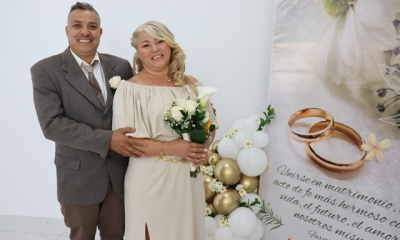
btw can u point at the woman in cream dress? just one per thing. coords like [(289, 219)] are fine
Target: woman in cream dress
[(162, 202)]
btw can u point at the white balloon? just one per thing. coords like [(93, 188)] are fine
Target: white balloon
[(243, 221), (258, 233), (239, 238), (250, 198), (254, 116), (260, 139), (211, 225), (238, 123), (228, 149), (252, 161), (218, 217), (223, 233), (241, 138), (250, 125)]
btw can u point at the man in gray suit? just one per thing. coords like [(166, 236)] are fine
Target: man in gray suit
[(73, 102)]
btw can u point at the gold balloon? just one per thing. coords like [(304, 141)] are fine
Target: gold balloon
[(227, 171), (205, 163), (207, 183), (249, 183), (214, 146), (213, 158), (226, 202), (210, 205)]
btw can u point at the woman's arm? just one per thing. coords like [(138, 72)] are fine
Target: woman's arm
[(192, 152)]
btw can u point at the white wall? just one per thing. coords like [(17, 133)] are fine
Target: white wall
[(227, 42)]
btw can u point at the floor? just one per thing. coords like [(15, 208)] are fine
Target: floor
[(33, 228)]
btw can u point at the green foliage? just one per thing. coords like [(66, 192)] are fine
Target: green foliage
[(198, 136), (268, 118), (268, 216), (193, 174), (249, 205)]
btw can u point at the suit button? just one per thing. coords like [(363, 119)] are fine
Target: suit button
[(106, 117)]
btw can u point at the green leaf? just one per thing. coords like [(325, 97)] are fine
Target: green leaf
[(199, 116), (201, 124), (178, 131), (198, 136), (267, 119), (275, 227), (211, 129)]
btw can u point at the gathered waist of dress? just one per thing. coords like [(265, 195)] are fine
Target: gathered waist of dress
[(165, 158)]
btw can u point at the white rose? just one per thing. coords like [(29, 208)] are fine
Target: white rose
[(191, 106), (206, 118), (115, 81), (180, 102), (176, 113)]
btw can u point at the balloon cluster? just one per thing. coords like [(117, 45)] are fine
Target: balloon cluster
[(236, 163)]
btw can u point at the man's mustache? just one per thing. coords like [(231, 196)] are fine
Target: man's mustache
[(85, 38)]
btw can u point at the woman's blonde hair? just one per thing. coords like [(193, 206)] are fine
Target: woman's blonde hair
[(158, 30)]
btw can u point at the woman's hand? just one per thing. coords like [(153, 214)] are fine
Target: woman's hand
[(192, 152)]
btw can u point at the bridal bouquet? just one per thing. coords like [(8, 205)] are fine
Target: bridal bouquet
[(190, 119)]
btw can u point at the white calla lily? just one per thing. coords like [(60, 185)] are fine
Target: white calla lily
[(205, 94)]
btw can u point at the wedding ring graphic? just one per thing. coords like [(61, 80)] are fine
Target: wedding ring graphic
[(346, 130), (313, 136)]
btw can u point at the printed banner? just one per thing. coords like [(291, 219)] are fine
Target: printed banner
[(343, 57)]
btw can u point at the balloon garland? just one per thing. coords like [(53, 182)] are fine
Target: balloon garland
[(231, 177)]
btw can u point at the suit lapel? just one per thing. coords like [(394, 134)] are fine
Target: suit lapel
[(108, 68), (77, 78)]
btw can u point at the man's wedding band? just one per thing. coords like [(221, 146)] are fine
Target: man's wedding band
[(349, 132), (314, 136)]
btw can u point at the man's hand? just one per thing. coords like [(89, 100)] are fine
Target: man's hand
[(214, 110), (124, 145)]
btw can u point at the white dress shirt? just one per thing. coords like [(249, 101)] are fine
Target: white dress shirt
[(97, 71)]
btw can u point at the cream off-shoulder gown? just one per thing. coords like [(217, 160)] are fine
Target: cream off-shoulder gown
[(158, 193)]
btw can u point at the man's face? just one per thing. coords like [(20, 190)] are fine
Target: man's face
[(83, 32)]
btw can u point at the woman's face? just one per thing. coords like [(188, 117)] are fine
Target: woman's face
[(154, 53)]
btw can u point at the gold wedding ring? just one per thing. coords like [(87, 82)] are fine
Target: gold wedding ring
[(322, 130), (314, 136), (346, 130)]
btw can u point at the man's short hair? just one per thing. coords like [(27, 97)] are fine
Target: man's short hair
[(83, 6)]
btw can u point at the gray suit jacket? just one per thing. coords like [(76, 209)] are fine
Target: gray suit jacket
[(70, 114)]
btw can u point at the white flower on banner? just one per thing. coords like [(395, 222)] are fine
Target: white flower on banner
[(115, 81), (176, 113), (348, 37)]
